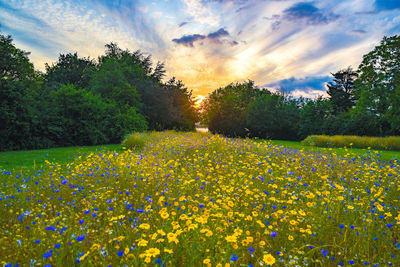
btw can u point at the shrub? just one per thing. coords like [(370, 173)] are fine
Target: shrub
[(136, 141), (386, 143)]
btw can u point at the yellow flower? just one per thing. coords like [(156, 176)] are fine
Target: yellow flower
[(290, 237), (231, 238), (152, 252), (144, 226), (142, 243), (170, 251), (269, 259), (147, 260), (164, 215), (206, 261)]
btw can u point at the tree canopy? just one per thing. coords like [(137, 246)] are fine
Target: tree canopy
[(81, 101)]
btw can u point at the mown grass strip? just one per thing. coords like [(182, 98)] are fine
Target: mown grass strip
[(35, 159)]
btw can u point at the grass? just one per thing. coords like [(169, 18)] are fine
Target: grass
[(386, 155), (191, 199), (35, 159), (380, 143), (12, 160)]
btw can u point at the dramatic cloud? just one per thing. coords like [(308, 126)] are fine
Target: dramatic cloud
[(215, 37), (188, 40), (211, 43), (307, 12)]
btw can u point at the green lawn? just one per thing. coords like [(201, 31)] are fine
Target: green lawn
[(384, 154), (29, 159), (35, 159)]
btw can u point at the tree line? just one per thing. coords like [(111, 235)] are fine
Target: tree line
[(362, 102), (82, 101)]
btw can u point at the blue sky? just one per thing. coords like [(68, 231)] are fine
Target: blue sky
[(210, 43)]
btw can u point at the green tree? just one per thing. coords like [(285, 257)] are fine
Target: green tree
[(377, 87), (225, 109), (17, 76), (273, 116), (313, 113), (341, 89), (69, 69), (79, 115)]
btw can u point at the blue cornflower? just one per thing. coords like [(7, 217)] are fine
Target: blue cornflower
[(120, 253), (80, 238), (48, 254), (234, 257), (274, 234), (324, 252), (251, 250)]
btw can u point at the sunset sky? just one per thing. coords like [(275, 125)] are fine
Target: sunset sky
[(210, 43)]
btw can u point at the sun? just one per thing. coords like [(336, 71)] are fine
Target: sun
[(197, 100)]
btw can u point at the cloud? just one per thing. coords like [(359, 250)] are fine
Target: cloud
[(310, 83), (214, 37), (307, 12), (218, 34), (357, 32), (188, 40), (182, 24)]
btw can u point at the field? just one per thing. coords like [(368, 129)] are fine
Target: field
[(194, 199)]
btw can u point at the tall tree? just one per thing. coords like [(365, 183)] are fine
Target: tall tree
[(17, 76), (341, 89), (69, 69), (378, 77), (225, 109), (273, 116)]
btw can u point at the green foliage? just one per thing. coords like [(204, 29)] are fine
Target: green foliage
[(378, 85), (386, 143), (69, 69), (136, 141), (82, 102), (341, 90), (313, 114), (80, 116), (225, 109), (17, 77), (272, 116)]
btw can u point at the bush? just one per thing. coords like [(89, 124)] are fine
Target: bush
[(136, 141), (385, 143)]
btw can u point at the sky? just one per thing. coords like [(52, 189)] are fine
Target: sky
[(285, 45)]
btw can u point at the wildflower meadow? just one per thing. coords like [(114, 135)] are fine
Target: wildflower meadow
[(192, 199)]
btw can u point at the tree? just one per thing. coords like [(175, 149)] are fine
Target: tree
[(273, 116), (313, 113), (378, 78), (79, 115), (17, 76), (224, 110), (341, 90), (69, 69)]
